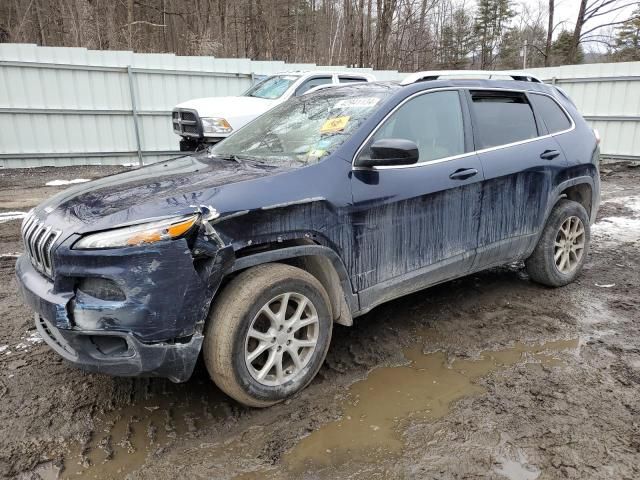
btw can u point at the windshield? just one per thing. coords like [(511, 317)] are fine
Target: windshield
[(305, 129), (272, 87)]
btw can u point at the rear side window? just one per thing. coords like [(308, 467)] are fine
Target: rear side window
[(550, 112), (352, 79), (502, 118), (312, 82)]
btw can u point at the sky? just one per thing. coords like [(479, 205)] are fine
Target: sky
[(567, 11)]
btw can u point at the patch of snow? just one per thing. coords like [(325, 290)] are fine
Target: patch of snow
[(632, 202), (3, 348), (616, 230), (8, 216), (34, 338), (57, 183)]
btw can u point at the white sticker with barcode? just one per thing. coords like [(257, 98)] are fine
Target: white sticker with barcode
[(359, 102)]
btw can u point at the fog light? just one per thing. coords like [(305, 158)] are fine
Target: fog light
[(102, 289)]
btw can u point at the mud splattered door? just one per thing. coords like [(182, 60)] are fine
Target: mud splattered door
[(521, 164), (416, 225)]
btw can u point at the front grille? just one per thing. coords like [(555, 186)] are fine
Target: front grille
[(188, 116), (186, 123), (39, 240)]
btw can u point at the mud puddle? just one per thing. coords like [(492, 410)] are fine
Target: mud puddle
[(390, 397), (122, 440)]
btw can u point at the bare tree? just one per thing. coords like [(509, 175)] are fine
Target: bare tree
[(399, 34), (590, 11), (547, 47)]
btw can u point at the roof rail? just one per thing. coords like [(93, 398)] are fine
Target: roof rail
[(468, 75)]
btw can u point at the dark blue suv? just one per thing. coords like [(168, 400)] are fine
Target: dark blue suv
[(319, 210)]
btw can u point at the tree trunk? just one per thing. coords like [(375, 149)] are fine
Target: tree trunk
[(361, 52), (577, 33), (547, 48), (37, 8)]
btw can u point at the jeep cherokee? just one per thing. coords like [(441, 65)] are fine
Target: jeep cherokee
[(314, 213)]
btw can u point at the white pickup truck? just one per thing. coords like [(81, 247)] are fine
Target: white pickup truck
[(203, 121)]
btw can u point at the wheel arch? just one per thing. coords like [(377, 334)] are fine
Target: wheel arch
[(320, 261), (581, 190)]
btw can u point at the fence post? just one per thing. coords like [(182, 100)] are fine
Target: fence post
[(134, 110)]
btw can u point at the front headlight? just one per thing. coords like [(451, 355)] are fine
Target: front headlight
[(215, 125), (151, 232)]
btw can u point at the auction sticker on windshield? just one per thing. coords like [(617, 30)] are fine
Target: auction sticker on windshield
[(335, 124), (361, 102)]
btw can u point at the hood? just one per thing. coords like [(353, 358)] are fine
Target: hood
[(173, 187), (236, 110)]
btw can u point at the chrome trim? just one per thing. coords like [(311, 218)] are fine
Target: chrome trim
[(25, 224), (27, 236), (462, 155), (474, 74), (56, 236), (35, 235), (40, 246)]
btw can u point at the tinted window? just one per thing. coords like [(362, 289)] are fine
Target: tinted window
[(351, 79), (550, 112), (502, 118), (433, 121), (312, 82)]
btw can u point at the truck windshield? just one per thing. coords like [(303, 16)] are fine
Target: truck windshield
[(272, 87), (305, 129)]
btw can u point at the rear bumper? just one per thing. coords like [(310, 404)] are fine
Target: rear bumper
[(120, 353)]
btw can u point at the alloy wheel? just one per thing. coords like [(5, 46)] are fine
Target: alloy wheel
[(569, 245), (281, 339)]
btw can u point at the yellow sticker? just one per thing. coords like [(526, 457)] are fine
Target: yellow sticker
[(335, 124), (316, 153)]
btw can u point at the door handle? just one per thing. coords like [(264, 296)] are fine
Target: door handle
[(549, 154), (463, 173)]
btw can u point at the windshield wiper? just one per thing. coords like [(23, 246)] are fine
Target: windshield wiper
[(239, 158), (233, 158)]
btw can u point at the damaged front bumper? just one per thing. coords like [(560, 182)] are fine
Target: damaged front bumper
[(121, 353), (155, 330)]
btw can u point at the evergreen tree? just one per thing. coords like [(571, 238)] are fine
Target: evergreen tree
[(561, 50), (491, 24), (628, 39), (511, 47), (457, 40)]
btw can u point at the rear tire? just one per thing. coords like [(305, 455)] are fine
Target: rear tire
[(562, 248), (258, 352)]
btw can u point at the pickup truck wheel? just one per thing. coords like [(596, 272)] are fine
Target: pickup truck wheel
[(562, 248), (267, 334)]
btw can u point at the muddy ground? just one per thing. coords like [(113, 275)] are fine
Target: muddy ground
[(490, 376)]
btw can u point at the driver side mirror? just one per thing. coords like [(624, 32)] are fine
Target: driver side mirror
[(390, 152)]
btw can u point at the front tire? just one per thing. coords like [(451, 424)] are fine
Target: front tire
[(562, 248), (268, 334)]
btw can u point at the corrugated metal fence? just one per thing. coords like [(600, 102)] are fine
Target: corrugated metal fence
[(608, 96), (72, 106)]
